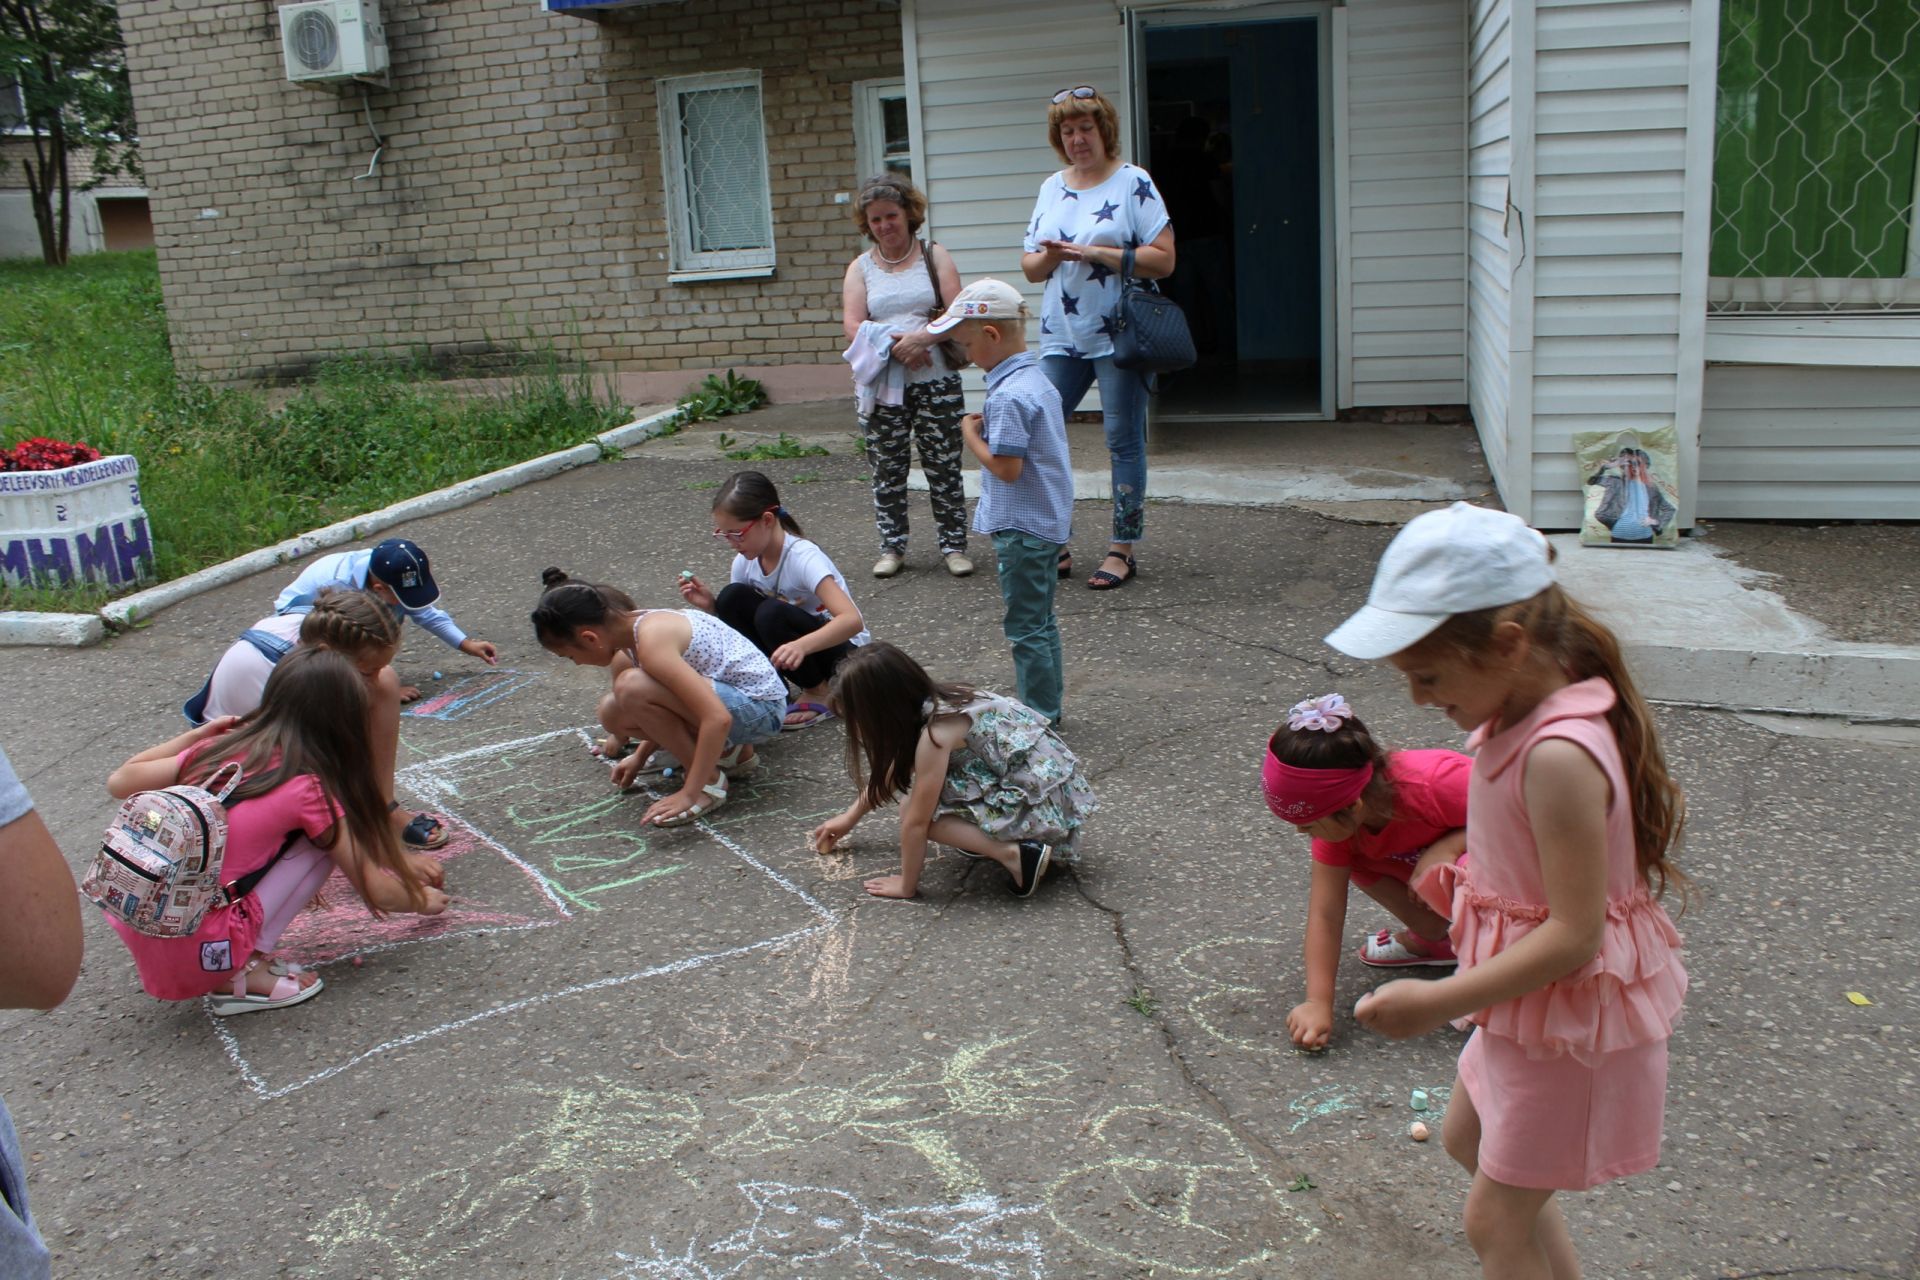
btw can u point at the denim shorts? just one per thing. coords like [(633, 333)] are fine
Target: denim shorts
[(754, 719)]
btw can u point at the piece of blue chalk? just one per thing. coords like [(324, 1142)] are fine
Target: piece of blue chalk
[(436, 675), (1419, 1100)]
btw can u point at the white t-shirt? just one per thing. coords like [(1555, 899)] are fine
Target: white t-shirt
[(796, 578), (241, 675)]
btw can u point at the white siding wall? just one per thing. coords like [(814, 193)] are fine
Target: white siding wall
[(1489, 260), (985, 71), (1797, 442), (1405, 148), (1610, 130)]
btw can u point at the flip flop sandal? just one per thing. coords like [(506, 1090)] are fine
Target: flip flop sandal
[(1107, 580), (821, 714), (1385, 951), (425, 832), (286, 991), (716, 796)]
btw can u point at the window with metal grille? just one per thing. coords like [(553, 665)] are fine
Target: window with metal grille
[(714, 159), (1816, 170), (13, 107)]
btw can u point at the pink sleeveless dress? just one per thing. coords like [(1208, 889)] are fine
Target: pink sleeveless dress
[(1570, 1081)]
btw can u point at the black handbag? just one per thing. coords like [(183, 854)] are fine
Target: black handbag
[(1150, 331), (956, 355)]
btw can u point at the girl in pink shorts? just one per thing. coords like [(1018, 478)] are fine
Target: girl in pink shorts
[(1569, 967), (1377, 819)]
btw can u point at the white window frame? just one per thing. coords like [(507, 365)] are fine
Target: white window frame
[(19, 93), (687, 265), (870, 130)]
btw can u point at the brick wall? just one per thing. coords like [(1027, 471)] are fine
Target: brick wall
[(520, 184)]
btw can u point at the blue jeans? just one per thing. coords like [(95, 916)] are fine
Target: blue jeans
[(1028, 574), (1123, 412), (755, 720)]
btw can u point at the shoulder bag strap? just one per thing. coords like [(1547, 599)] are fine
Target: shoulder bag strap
[(933, 278)]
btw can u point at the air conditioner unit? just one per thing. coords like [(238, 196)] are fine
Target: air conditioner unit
[(333, 40)]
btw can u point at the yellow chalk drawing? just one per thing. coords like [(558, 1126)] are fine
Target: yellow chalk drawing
[(588, 1132), (908, 1110), (1180, 1194), (1213, 1006)]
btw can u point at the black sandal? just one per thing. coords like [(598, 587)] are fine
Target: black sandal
[(1104, 579), (1065, 564)]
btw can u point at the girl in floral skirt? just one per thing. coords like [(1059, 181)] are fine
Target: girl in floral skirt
[(982, 772)]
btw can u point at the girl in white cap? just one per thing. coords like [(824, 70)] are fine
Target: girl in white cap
[(1569, 967)]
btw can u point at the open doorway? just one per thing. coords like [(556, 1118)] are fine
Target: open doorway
[(1233, 136)]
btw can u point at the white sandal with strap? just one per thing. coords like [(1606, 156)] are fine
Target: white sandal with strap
[(716, 795)]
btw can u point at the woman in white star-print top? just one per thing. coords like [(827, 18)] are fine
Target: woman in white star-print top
[(1087, 217)]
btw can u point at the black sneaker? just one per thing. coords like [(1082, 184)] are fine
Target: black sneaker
[(1034, 858)]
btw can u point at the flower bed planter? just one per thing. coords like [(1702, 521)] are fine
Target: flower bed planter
[(77, 524)]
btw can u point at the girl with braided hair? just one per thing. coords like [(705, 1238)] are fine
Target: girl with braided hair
[(364, 631)]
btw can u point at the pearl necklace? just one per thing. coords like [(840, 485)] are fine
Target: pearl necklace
[(880, 253)]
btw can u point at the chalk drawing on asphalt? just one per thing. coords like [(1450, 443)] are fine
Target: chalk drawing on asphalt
[(1338, 1099), (1191, 1198), (588, 1132), (909, 1109), (487, 771), (468, 694), (820, 1231)]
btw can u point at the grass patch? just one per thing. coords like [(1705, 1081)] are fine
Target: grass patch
[(84, 356), (785, 447), (1142, 1002)]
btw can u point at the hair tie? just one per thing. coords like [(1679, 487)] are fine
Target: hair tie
[(1325, 714)]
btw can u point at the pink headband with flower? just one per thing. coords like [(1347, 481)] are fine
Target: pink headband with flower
[(1304, 796)]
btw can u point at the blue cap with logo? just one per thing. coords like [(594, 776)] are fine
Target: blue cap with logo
[(403, 566)]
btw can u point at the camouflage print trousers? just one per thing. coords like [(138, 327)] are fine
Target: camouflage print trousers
[(930, 418)]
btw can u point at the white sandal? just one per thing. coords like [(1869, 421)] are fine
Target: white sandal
[(733, 766), (716, 793)]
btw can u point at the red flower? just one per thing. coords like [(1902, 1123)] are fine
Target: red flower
[(43, 454)]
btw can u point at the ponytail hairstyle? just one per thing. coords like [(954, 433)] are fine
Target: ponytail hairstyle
[(349, 622), (569, 604), (748, 495), (1585, 648), (885, 699), (1348, 747), (312, 719)]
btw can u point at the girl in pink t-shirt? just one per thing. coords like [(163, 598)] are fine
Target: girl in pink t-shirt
[(307, 802), (1569, 968), (1376, 820)]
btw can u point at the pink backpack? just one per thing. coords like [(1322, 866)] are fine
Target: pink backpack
[(159, 867)]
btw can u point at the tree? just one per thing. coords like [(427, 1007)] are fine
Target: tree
[(67, 58)]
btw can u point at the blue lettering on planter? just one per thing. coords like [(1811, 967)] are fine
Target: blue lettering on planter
[(50, 560), (96, 555), (132, 550), (13, 560)]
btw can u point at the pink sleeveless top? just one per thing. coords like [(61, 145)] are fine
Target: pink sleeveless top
[(1630, 992)]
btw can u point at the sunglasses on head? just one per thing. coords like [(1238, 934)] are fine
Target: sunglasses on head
[(1078, 91)]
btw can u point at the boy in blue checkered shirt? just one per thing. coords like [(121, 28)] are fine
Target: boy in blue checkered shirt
[(1026, 480)]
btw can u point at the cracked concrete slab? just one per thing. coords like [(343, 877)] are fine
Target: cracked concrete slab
[(709, 1054)]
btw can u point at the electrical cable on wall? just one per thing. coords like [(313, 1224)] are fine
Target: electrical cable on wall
[(379, 143)]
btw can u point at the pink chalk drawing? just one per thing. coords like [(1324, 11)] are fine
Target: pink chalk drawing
[(468, 694), (341, 927)]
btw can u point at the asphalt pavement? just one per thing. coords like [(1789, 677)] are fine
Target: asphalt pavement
[(706, 1052)]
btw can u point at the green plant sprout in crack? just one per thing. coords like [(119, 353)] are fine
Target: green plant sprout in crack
[(805, 477), (727, 441), (717, 396), (1143, 1003), (785, 447)]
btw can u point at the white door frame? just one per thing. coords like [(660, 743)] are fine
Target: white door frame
[(1141, 17)]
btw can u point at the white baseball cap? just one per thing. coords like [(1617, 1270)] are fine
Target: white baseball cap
[(1445, 562), (987, 299)]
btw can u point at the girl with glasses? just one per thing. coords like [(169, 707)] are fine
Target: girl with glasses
[(785, 594)]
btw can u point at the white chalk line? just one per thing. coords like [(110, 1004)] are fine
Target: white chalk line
[(260, 1086), (434, 769)]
